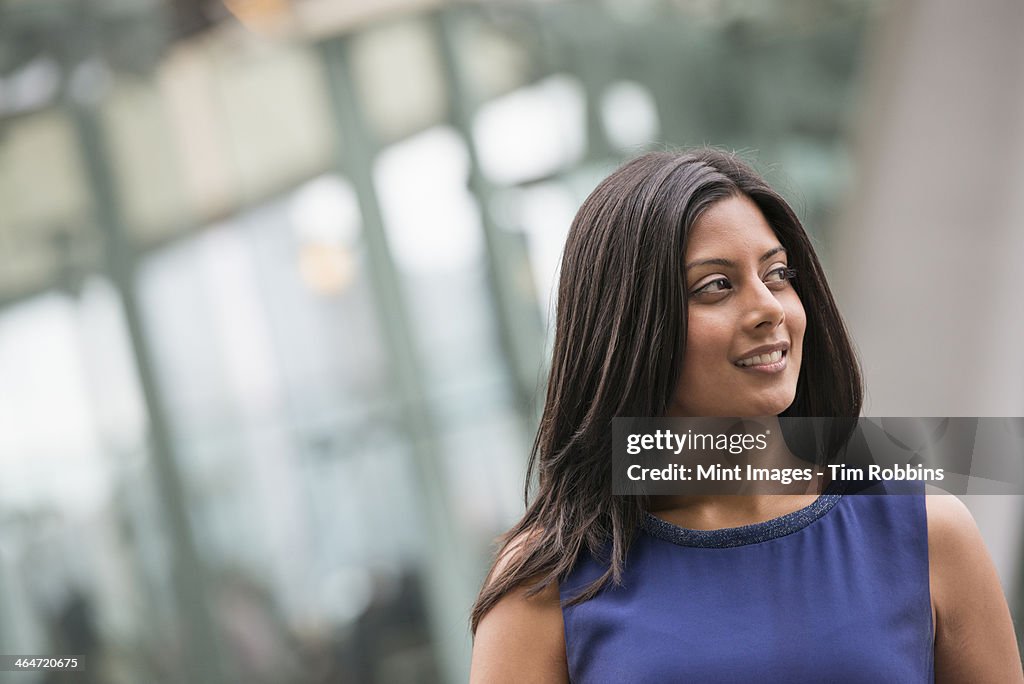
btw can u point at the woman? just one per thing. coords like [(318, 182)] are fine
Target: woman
[(689, 288)]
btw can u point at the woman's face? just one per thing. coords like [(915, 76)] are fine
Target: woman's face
[(745, 327)]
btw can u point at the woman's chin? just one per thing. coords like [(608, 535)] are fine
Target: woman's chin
[(763, 405), (771, 407)]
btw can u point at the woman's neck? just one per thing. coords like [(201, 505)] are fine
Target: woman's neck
[(756, 502)]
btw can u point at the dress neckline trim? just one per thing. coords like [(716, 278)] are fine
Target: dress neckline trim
[(747, 534)]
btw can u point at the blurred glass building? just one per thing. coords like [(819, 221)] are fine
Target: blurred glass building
[(276, 284)]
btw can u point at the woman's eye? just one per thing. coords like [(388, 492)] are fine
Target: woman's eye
[(715, 286), (780, 275)]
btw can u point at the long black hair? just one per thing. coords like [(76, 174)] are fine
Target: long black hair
[(618, 351)]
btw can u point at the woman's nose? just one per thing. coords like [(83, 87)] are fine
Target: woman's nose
[(765, 310)]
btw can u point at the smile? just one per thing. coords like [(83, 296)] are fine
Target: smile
[(772, 362)]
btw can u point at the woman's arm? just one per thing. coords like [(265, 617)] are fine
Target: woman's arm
[(521, 640), (974, 638)]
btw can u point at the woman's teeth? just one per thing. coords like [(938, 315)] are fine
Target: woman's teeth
[(760, 359)]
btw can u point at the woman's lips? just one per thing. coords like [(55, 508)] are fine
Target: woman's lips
[(763, 364)]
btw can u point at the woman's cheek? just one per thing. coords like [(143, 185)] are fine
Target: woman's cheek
[(801, 320)]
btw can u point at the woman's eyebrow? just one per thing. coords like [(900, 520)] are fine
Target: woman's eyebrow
[(725, 262)]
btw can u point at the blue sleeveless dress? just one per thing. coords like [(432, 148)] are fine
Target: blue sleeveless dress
[(836, 592)]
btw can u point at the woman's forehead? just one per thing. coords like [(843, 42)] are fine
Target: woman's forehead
[(733, 227)]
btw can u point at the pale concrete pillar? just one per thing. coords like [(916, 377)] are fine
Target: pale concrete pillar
[(929, 256)]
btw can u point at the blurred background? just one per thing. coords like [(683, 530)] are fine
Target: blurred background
[(276, 285)]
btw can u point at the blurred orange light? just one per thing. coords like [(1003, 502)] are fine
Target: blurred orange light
[(258, 15), (326, 269)]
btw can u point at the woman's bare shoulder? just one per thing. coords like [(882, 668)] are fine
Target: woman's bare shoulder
[(974, 637), (954, 541), (949, 520), (956, 551), (522, 637)]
